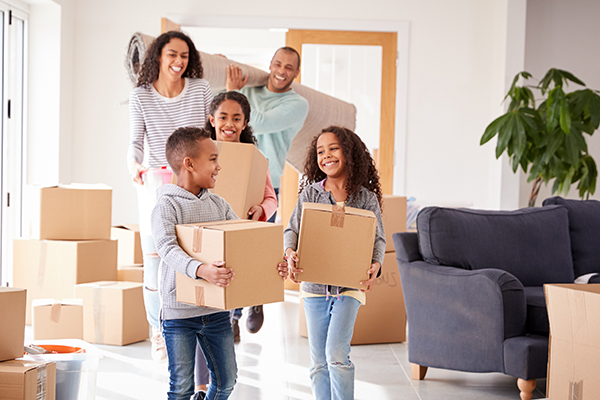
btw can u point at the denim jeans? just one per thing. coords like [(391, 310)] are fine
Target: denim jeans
[(213, 333), (330, 324)]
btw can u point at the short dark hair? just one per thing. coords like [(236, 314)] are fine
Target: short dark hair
[(151, 66), (182, 143), (290, 50), (247, 135)]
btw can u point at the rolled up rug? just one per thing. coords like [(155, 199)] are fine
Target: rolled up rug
[(323, 111)]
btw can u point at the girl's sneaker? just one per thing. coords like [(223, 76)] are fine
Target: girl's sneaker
[(158, 348)]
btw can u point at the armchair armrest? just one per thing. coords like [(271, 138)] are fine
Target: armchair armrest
[(458, 319)]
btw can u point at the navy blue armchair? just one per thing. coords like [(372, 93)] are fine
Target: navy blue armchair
[(472, 283)]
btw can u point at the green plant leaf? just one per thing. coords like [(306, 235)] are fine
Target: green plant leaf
[(567, 75), (565, 118), (553, 108), (555, 141), (492, 129), (519, 138), (504, 134)]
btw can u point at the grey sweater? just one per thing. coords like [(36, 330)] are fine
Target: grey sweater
[(315, 193), (176, 206)]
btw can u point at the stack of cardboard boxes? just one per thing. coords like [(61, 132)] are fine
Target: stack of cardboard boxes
[(67, 243), (130, 261), (383, 318), (20, 379)]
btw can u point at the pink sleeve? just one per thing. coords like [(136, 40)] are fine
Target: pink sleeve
[(269, 203)]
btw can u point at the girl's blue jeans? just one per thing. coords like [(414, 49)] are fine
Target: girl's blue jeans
[(213, 333), (330, 324)]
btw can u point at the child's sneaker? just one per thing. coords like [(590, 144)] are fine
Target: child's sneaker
[(158, 348), (235, 326), (200, 395)]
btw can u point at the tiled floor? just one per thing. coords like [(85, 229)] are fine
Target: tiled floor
[(273, 365)]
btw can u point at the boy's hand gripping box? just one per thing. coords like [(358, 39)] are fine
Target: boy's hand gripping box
[(252, 249), (242, 177), (335, 246)]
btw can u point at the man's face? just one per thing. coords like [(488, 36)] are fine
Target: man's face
[(284, 69)]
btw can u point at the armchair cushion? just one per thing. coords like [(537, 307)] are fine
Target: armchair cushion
[(526, 357), (532, 243), (537, 314), (584, 227)]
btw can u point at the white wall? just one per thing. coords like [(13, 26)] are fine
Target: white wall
[(564, 34), (456, 79)]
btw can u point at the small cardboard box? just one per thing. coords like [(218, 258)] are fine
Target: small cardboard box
[(113, 312), (67, 212), (574, 359), (383, 318), (12, 313), (27, 380), (57, 319), (393, 214), (253, 249), (50, 268), (130, 273), (242, 177), (346, 233), (128, 242)]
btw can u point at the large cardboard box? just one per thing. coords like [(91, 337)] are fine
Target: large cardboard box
[(113, 312), (574, 359), (50, 268), (57, 319), (335, 246), (242, 177), (253, 249), (27, 380), (393, 213), (129, 245), (12, 313), (67, 212), (383, 318), (130, 273)]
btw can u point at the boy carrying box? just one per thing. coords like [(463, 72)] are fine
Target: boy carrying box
[(193, 156)]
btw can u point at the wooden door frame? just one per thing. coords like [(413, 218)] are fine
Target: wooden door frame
[(401, 27)]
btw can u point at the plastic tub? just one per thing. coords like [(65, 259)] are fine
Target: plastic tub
[(153, 178), (76, 367)]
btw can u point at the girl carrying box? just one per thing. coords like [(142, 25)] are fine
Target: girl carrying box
[(338, 170)]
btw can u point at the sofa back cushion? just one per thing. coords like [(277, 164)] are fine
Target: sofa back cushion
[(531, 243), (584, 228)]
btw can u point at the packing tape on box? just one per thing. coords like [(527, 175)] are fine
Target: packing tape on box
[(197, 240), (55, 312), (42, 383), (199, 295), (338, 213), (42, 263), (576, 390), (99, 311)]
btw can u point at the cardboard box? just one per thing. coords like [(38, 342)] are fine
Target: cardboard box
[(574, 359), (383, 318), (67, 212), (27, 380), (12, 313), (57, 319), (130, 273), (335, 246), (50, 268), (393, 214), (242, 177), (253, 249), (128, 242), (113, 312)]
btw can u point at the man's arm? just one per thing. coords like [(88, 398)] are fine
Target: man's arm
[(290, 113)]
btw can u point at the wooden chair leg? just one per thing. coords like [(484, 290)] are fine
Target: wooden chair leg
[(526, 388), (417, 372)]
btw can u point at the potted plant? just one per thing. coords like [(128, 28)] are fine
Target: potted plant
[(548, 141)]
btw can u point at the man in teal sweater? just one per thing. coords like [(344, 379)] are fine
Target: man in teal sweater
[(278, 113)]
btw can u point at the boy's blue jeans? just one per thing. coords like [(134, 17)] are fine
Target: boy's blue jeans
[(213, 333), (330, 324)]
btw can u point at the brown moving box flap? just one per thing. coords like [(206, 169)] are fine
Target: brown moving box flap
[(335, 245), (574, 360), (129, 243), (57, 319), (131, 273), (12, 312), (27, 380), (243, 175)]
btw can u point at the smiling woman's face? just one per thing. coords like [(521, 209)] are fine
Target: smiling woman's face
[(174, 59)]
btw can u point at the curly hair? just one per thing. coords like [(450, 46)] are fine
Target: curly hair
[(151, 66), (247, 135), (359, 163)]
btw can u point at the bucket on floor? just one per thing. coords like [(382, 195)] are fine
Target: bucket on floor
[(76, 367), (153, 178)]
